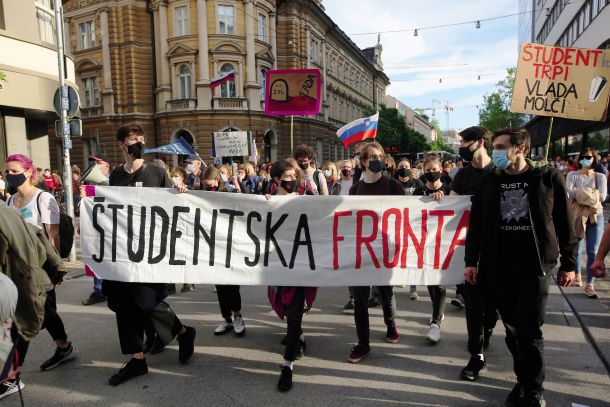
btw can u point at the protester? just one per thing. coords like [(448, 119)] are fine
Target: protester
[(355, 158), (51, 182), (588, 190), (520, 223), (3, 196), (193, 178), (389, 166), (289, 302), (9, 366), (373, 183), (446, 169), (76, 183), (345, 179), (313, 179), (329, 170), (137, 304)]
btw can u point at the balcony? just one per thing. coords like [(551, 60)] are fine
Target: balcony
[(230, 103), (180, 105)]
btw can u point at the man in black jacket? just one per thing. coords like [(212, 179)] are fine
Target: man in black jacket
[(520, 224)]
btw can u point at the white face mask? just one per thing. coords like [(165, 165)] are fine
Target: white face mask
[(176, 180), (223, 177), (328, 173), (190, 168)]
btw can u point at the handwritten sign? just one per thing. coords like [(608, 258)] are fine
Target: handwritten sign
[(562, 82), (293, 91), (231, 143)]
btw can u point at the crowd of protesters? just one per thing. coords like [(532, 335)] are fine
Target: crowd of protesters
[(539, 211)]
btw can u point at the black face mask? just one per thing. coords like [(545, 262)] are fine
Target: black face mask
[(404, 172), (304, 166), (433, 176), (345, 172), (289, 186), (14, 181), (466, 153), (136, 150), (375, 166)]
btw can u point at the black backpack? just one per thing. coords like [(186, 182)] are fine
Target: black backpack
[(66, 232)]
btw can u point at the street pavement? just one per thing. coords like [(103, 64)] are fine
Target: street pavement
[(231, 371)]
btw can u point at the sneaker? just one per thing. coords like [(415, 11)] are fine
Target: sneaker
[(131, 369), (186, 288), (301, 349), (515, 396), (239, 327), (532, 400), (577, 281), (374, 302), (392, 334), (171, 289), (486, 337), (60, 356), (10, 387), (350, 305), (94, 298), (358, 353), (590, 291), (285, 382), (458, 301), (472, 370), (186, 344), (223, 328), (434, 333), (413, 293)]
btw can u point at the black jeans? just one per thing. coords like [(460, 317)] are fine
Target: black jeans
[(521, 299), (481, 313), (52, 322), (438, 296), (229, 299), (361, 310), (294, 317)]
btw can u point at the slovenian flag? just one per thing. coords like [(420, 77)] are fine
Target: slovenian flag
[(225, 77), (358, 130)]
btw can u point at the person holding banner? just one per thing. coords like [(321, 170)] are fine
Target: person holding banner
[(138, 304), (329, 169), (313, 179), (373, 183), (520, 223)]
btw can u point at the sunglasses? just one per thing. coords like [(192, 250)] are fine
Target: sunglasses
[(587, 157)]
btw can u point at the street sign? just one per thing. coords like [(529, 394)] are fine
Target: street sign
[(67, 99), (68, 144), (74, 129)]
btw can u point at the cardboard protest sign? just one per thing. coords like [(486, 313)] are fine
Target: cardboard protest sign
[(293, 91), (562, 82), (159, 235), (231, 143)]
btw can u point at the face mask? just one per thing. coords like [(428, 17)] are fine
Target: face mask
[(500, 159), (586, 163), (375, 166), (288, 185), (190, 168), (47, 173), (176, 180), (304, 166), (328, 173), (136, 150), (404, 172), (224, 178), (15, 180), (466, 153), (345, 172), (432, 176), (211, 189)]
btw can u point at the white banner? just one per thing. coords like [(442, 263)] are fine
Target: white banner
[(231, 143), (159, 235)]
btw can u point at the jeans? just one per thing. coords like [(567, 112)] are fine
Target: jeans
[(229, 300), (361, 310), (593, 236), (294, 317), (481, 313), (438, 296), (97, 285)]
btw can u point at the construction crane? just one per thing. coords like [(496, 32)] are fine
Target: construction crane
[(446, 107)]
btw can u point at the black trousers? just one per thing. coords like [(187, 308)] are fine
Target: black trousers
[(361, 309), (481, 313), (52, 322), (521, 299), (294, 317), (229, 299), (438, 296)]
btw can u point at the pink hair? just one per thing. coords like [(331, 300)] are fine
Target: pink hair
[(25, 162)]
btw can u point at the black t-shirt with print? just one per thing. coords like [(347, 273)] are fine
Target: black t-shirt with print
[(384, 186), (467, 179), (149, 175), (515, 235), (423, 190), (411, 185)]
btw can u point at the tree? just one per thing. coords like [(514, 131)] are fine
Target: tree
[(392, 130), (495, 113), (440, 145)]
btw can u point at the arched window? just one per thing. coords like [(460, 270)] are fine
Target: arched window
[(227, 89), (262, 76), (185, 82)]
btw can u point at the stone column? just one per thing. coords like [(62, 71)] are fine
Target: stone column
[(204, 92), (325, 103), (273, 38), (164, 89), (107, 92), (251, 87), (308, 46)]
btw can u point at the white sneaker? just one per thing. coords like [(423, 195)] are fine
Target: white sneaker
[(434, 333), (10, 387), (413, 293), (239, 326), (223, 328)]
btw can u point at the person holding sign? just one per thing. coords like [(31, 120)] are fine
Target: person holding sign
[(520, 223)]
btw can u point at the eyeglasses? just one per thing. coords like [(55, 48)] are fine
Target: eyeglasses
[(375, 157)]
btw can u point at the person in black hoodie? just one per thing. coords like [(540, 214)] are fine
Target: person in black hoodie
[(520, 223)]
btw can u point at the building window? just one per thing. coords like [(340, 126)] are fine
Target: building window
[(228, 89), (262, 77), (315, 50), (226, 23), (45, 17), (91, 92), (262, 27), (185, 82), (86, 32), (181, 21)]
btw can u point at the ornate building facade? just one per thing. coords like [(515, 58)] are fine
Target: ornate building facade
[(151, 62)]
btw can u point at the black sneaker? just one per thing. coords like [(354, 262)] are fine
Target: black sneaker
[(486, 337), (532, 400), (60, 356), (186, 344), (515, 396), (94, 298), (131, 369), (374, 302), (458, 301), (350, 305), (171, 289), (285, 382), (10, 387), (472, 370), (301, 349)]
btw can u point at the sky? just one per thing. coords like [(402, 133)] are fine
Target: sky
[(458, 55)]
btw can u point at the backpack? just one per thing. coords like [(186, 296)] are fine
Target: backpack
[(66, 231), (316, 179)]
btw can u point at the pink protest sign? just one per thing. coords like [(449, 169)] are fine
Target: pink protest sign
[(293, 91)]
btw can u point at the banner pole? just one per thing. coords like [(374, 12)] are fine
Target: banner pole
[(548, 139), (291, 133)]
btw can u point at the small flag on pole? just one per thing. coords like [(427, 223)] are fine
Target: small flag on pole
[(358, 130), (225, 77), (180, 146)]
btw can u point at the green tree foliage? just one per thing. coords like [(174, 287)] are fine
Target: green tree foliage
[(495, 113), (440, 145), (393, 130)]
